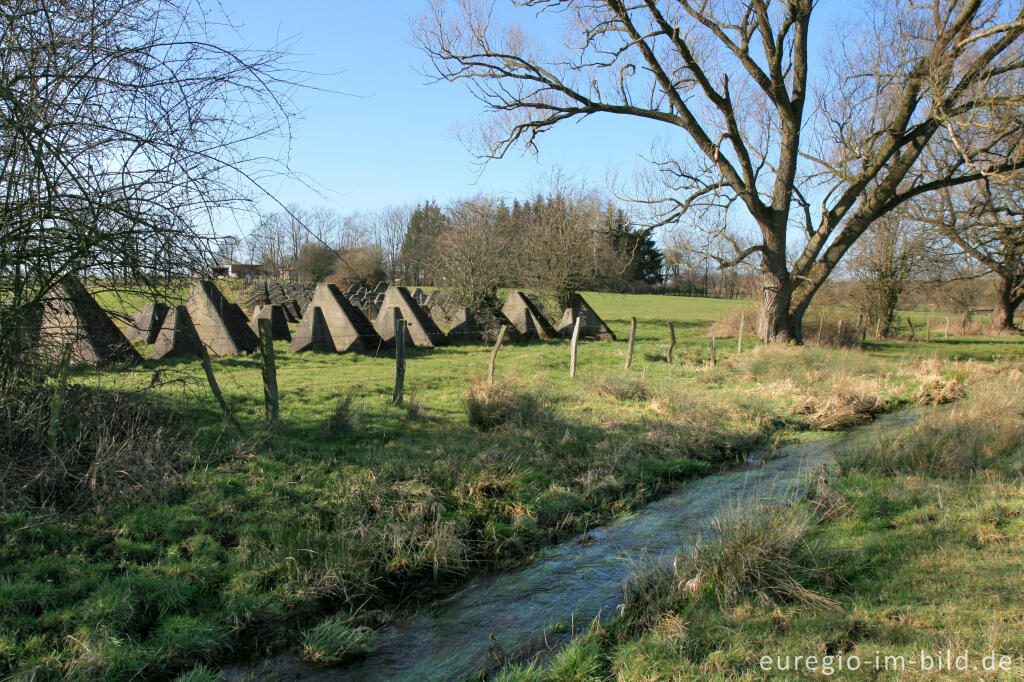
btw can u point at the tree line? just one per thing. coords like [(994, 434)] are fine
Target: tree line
[(558, 243)]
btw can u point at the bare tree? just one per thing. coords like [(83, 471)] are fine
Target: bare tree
[(985, 221), (475, 253), (734, 77), (885, 262), (389, 226), (123, 136)]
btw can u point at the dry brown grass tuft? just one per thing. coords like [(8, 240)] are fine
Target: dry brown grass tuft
[(106, 448), (939, 390), (623, 388), (983, 431), (850, 401), (730, 324), (827, 504), (504, 405), (827, 332)]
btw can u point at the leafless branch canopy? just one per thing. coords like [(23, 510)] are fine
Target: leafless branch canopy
[(911, 85)]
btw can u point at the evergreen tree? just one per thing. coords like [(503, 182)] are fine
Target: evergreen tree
[(426, 224)]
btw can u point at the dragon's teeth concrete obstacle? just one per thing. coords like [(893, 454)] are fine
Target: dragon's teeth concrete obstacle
[(423, 331), (348, 328), (73, 316), (177, 337), (278, 321), (463, 327), (591, 324), (147, 322), (526, 317), (221, 325)]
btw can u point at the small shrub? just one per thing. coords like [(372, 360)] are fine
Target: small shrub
[(334, 640), (555, 504), (492, 406)]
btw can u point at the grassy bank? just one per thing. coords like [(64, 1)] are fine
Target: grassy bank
[(915, 546), (358, 507)]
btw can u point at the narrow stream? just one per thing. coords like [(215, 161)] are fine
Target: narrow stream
[(505, 616)]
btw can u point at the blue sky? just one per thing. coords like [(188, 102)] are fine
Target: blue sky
[(386, 136), (379, 133)]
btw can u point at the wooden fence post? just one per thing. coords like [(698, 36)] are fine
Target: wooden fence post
[(215, 388), (399, 326), (913, 332), (632, 342), (821, 325), (928, 330), (269, 373), (714, 356), (739, 341), (572, 348), (57, 404), (671, 341), (494, 354), (839, 334), (878, 328), (947, 327)]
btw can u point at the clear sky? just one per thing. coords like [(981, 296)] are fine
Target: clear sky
[(386, 136), (381, 133)]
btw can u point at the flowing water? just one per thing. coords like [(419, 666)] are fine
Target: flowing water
[(508, 616)]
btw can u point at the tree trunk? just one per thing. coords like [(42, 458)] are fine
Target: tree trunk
[(1005, 308), (776, 323)]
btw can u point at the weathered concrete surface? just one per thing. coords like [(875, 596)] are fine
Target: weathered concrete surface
[(177, 336), (278, 321), (526, 317), (591, 324), (147, 322), (423, 332), (348, 328), (73, 316), (221, 324), (313, 334)]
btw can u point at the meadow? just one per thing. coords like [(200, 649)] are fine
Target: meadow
[(219, 546)]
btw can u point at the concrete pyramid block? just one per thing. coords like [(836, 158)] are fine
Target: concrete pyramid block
[(73, 316), (591, 324), (422, 329), (347, 326), (464, 327), (278, 322), (147, 322), (526, 317), (221, 324), (315, 336), (177, 336)]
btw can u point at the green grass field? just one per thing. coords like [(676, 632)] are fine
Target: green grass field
[(361, 508)]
